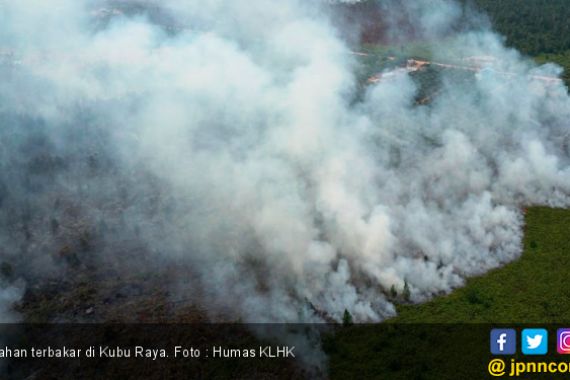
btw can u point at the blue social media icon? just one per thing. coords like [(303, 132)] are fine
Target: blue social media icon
[(534, 341), (503, 341)]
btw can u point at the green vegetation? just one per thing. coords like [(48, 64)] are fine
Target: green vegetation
[(401, 52), (393, 292), (406, 292), (532, 289), (379, 58), (532, 26), (346, 318), (562, 59), (539, 28)]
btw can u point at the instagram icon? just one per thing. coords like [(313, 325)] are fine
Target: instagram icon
[(563, 343)]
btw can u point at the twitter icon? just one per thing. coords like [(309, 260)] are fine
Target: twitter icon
[(534, 341)]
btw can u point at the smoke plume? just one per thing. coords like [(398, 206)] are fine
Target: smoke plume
[(232, 139)]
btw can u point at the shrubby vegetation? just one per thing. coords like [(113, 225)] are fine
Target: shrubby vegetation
[(531, 290)]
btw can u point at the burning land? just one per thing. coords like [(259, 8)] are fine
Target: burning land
[(299, 162)]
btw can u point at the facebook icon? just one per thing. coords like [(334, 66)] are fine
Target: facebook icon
[(503, 341)]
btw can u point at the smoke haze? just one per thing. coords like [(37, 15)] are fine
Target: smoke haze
[(230, 139)]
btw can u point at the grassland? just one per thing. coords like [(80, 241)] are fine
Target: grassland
[(532, 291)]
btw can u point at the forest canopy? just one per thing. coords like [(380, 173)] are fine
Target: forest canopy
[(532, 26)]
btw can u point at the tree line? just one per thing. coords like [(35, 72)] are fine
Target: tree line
[(532, 26)]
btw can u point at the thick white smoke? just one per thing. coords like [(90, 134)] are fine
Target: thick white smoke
[(231, 140)]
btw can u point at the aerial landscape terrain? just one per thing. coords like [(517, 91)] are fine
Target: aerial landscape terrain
[(364, 165)]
